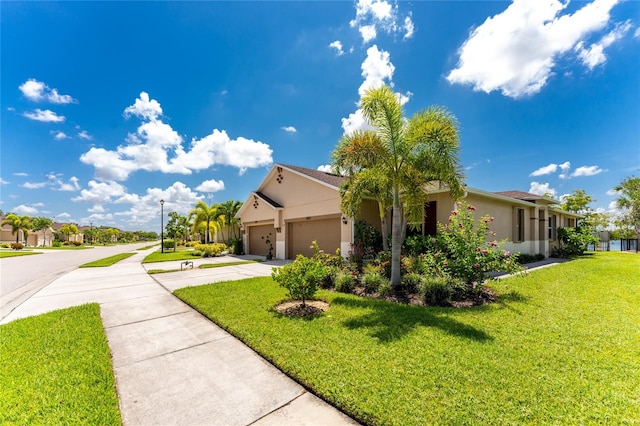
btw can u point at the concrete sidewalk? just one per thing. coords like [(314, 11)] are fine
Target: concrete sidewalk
[(172, 365)]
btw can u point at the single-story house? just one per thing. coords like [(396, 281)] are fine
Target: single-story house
[(34, 238), (294, 206)]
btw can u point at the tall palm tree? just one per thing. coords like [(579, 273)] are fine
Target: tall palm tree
[(397, 160), (205, 218), (41, 224), (18, 223), (227, 212)]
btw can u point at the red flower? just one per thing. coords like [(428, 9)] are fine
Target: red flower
[(471, 208)]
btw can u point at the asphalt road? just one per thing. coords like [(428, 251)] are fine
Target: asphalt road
[(23, 276)]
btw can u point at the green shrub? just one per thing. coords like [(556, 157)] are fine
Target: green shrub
[(169, 244), (411, 282), (372, 282), (77, 243), (196, 253), (574, 241), (328, 281), (210, 250), (385, 289), (301, 277), (17, 246), (528, 258), (237, 246), (435, 291), (344, 282), (416, 245), (5, 245), (56, 244)]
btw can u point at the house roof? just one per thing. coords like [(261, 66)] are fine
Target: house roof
[(268, 200), (526, 196), (324, 177)]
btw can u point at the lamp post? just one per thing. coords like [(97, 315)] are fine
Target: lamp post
[(161, 226), (91, 225)]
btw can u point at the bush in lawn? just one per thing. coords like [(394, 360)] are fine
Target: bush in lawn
[(210, 250), (5, 245), (574, 241), (197, 253), (386, 289), (411, 282), (17, 246), (301, 277), (56, 244), (467, 253), (344, 281), (372, 282), (435, 291), (77, 243), (169, 244)]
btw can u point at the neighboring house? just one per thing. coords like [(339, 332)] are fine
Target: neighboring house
[(79, 237), (294, 206), (34, 238)]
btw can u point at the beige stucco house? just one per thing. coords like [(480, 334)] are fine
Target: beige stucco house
[(293, 206), (34, 238)]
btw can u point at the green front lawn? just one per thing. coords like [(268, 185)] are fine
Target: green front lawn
[(560, 346), (107, 261), (181, 253), (56, 369), (15, 253)]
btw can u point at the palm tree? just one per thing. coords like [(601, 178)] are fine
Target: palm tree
[(227, 211), (205, 218), (18, 223), (397, 160), (41, 224)]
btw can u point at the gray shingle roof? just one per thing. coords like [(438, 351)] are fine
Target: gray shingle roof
[(328, 178)]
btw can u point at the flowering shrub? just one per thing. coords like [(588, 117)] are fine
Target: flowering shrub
[(465, 252), (301, 277), (574, 241)]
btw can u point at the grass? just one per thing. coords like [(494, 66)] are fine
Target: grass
[(69, 247), (107, 261), (203, 266), (559, 347), (181, 253), (56, 369), (15, 253), (147, 247)]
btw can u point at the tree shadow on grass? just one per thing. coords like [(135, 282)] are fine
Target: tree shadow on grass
[(389, 321)]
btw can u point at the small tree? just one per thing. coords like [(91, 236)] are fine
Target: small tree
[(41, 224), (301, 278)]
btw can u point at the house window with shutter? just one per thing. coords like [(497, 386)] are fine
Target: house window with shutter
[(552, 227), (518, 228)]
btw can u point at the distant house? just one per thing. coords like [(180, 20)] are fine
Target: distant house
[(34, 238), (294, 206)]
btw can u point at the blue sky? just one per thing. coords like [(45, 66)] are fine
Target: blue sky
[(108, 107)]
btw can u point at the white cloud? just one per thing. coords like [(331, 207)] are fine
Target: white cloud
[(157, 147), (565, 170), (338, 46), (374, 15), (34, 185), (376, 68), (46, 116), (409, 28), (25, 210), (37, 91), (327, 168), (96, 209), (85, 135), (594, 55), (587, 171), (541, 189), (636, 33), (100, 192), (59, 135), (551, 168), (210, 186), (72, 185), (4, 182), (178, 197), (355, 121), (612, 192), (63, 215), (368, 33), (515, 51), (144, 108), (289, 129)]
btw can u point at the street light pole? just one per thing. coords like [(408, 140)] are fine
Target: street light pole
[(161, 226)]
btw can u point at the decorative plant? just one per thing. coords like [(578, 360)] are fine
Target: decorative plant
[(301, 277), (267, 241)]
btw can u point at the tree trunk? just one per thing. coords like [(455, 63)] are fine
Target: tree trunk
[(396, 240), (384, 227)]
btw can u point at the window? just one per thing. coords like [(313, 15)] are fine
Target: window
[(570, 223), (518, 231), (552, 227)]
